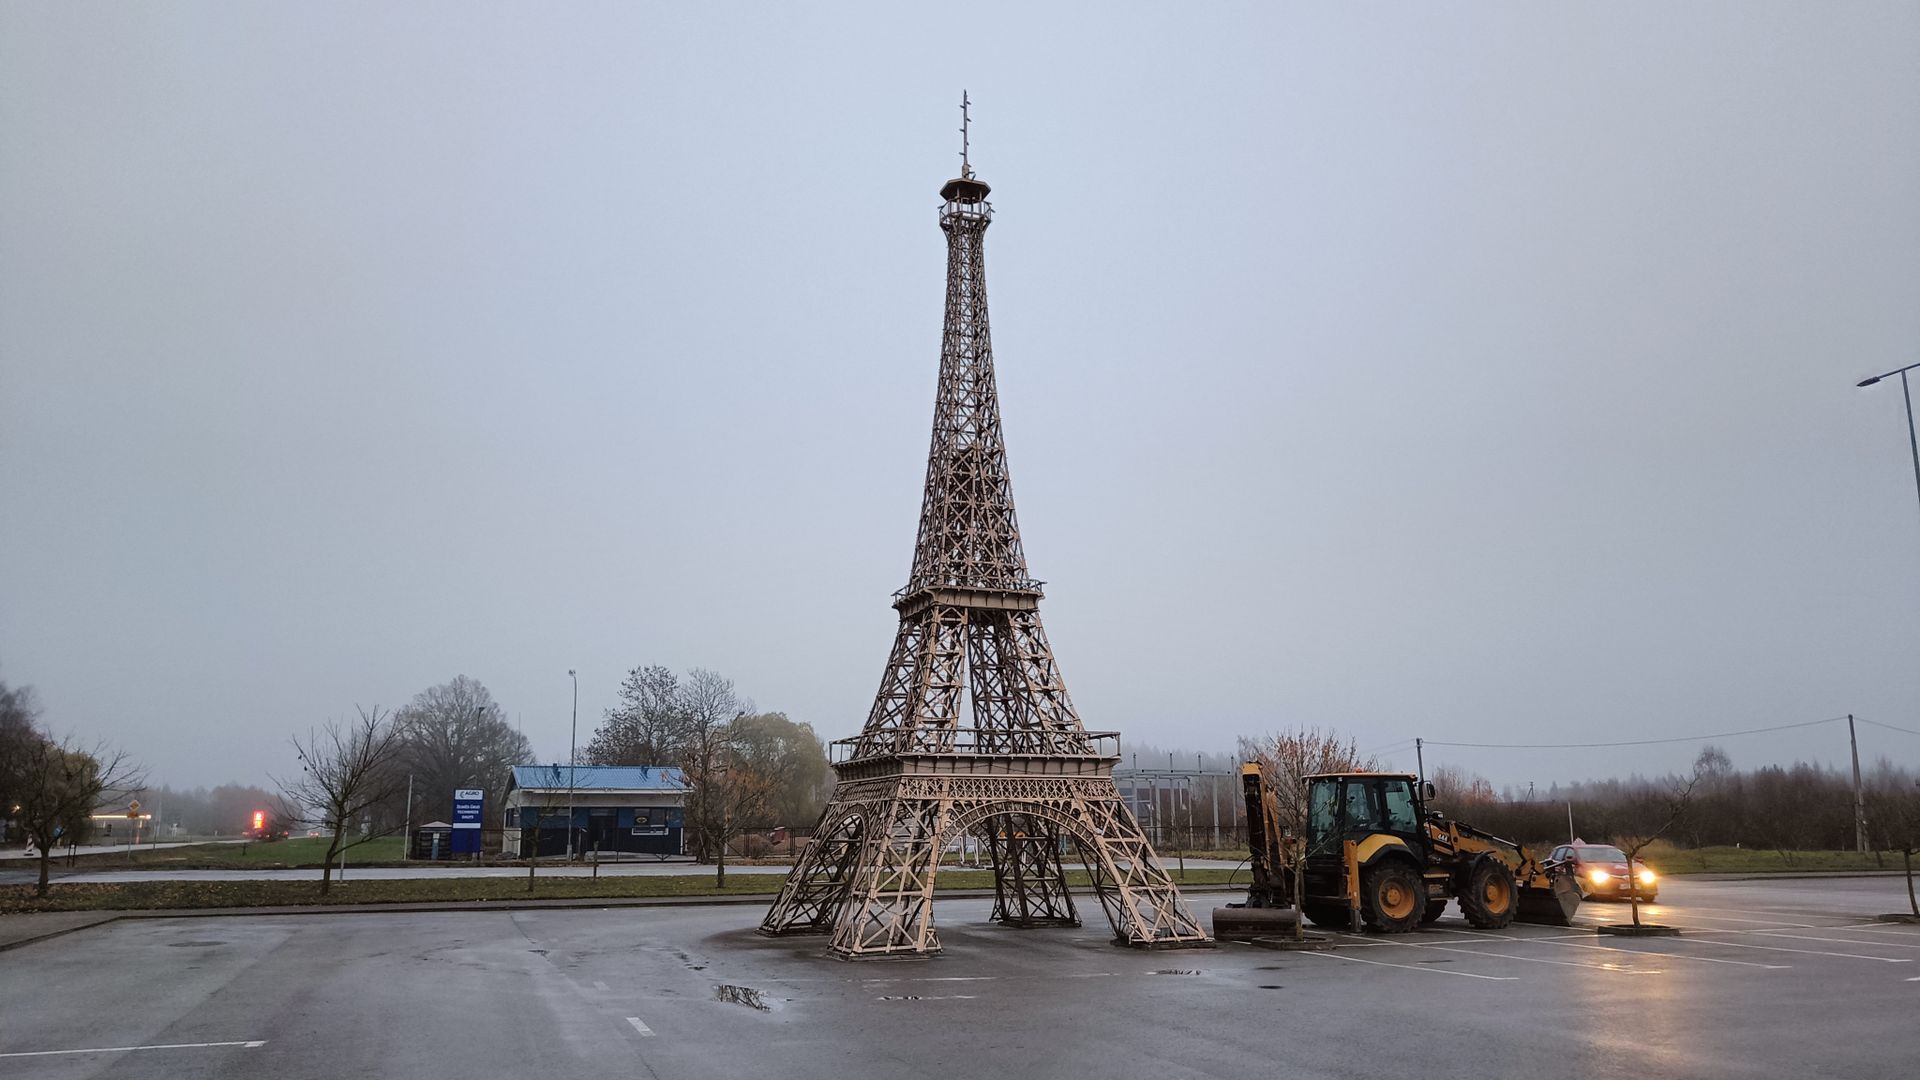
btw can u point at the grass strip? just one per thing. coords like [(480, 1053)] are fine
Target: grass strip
[(164, 895)]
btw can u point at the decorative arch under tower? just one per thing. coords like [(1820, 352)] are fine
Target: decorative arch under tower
[(972, 731)]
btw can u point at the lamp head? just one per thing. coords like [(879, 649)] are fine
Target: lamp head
[(1868, 382)]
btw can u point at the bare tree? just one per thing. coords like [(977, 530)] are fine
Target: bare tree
[(1289, 757), (544, 805), (1461, 792), (724, 790), (1895, 815), (345, 771), (453, 736), (1668, 811), (725, 795), (739, 768), (57, 786), (650, 724)]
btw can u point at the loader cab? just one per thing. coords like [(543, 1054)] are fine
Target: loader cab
[(1354, 806)]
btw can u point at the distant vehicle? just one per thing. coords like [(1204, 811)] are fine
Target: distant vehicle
[(266, 827), (1600, 870)]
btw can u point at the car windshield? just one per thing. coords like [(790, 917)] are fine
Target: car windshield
[(1597, 853)]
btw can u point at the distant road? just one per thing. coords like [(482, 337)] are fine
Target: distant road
[(16, 855), (425, 870)]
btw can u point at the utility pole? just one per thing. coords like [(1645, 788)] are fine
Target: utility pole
[(1906, 396), (573, 739), (406, 831), (1859, 799), (1213, 798), (1420, 757)]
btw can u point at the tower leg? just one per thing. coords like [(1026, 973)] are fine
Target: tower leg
[(1138, 895), (816, 890), (889, 906), (1029, 884)]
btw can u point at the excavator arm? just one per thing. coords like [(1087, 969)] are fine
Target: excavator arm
[(1268, 911)]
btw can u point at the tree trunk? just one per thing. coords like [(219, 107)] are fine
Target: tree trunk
[(46, 860), (1633, 891), (1906, 856), (720, 866), (326, 866)]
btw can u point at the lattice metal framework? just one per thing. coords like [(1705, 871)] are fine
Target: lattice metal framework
[(1024, 775)]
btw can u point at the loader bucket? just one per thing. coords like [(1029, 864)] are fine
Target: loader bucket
[(1247, 923), (1552, 904)]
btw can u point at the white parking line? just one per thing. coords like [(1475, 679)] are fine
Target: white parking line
[(1778, 915), (1681, 956), (640, 1027), (1536, 959), (1874, 927), (1494, 940), (1829, 940), (1804, 952), (1415, 967), (1638, 952), (254, 1044), (1691, 916)]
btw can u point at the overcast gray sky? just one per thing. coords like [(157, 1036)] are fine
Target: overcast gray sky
[(1484, 373)]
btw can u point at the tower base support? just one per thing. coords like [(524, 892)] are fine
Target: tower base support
[(866, 879)]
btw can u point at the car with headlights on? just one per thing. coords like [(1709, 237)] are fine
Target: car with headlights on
[(1601, 872)]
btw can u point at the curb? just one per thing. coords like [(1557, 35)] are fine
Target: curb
[(1783, 875), (429, 907), (64, 931)]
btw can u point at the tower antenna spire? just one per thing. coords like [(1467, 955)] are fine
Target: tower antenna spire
[(966, 121)]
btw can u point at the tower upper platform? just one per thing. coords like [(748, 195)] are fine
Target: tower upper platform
[(965, 189)]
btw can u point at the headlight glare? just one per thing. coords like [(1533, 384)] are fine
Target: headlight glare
[(1598, 877), (1647, 876)]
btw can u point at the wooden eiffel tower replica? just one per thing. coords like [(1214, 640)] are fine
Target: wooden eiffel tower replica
[(972, 732)]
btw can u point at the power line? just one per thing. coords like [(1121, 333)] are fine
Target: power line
[(1648, 742), (1889, 727), (1402, 744)]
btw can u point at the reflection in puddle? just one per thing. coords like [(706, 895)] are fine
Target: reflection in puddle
[(742, 995)]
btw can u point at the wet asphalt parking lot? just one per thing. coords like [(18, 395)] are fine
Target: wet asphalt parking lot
[(1772, 979)]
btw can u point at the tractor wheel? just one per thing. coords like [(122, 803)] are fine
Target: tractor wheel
[(1326, 916), (1489, 899), (1435, 909), (1392, 898)]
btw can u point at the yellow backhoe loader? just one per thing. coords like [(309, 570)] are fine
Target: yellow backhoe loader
[(1376, 855)]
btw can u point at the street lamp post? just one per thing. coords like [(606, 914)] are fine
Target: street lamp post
[(1906, 392), (573, 740)]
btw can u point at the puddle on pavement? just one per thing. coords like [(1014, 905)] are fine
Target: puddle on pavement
[(193, 944), (742, 995)]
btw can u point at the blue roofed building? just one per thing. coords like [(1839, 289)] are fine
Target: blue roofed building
[(632, 809)]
